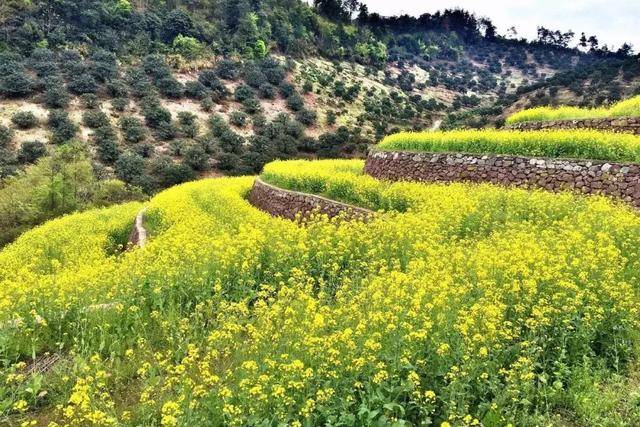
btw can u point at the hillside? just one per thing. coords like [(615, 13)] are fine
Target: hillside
[(177, 89)]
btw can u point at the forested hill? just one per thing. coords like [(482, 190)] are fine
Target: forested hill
[(144, 94)]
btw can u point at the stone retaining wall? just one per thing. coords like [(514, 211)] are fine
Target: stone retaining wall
[(586, 176), (289, 204), (621, 124), (138, 236)]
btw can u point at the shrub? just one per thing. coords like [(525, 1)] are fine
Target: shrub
[(188, 47), (188, 124), (120, 104), (287, 89), (252, 105), (207, 104), (196, 157), (145, 149), (273, 71), (94, 119), (307, 86), (210, 80), (30, 151), (62, 128), (166, 131), (24, 119), (306, 117), (55, 95), (90, 100), (581, 144), (130, 167), (16, 84), (117, 88), (254, 77), (267, 91), (168, 173), (155, 115), (195, 90), (243, 92), (227, 69), (331, 117), (6, 136), (295, 102), (217, 125), (170, 87), (238, 118), (82, 83), (132, 129), (106, 140)]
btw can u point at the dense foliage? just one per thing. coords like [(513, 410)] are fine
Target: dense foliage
[(579, 144), (461, 304)]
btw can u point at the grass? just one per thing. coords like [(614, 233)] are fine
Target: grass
[(627, 108), (574, 144)]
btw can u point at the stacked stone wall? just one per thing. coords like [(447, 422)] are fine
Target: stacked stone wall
[(296, 205), (621, 124), (617, 180)]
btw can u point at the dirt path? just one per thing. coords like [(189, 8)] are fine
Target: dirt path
[(139, 233)]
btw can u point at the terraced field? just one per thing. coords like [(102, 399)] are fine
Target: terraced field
[(456, 304), (628, 108)]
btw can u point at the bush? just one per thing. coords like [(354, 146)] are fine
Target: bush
[(62, 128), (170, 87), (207, 104), (106, 140), (155, 115), (195, 90), (188, 47), (331, 117), (196, 157), (145, 149), (130, 168), (227, 69), (295, 102), (16, 85), (94, 119), (238, 118), (6, 136), (132, 129), (55, 96), (117, 88), (168, 173), (188, 124), (217, 125), (267, 91), (90, 100), (306, 117), (287, 89), (252, 105), (120, 104), (254, 77), (243, 92), (82, 83), (30, 151), (24, 119), (166, 131)]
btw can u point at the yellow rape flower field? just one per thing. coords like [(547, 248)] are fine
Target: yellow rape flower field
[(456, 305)]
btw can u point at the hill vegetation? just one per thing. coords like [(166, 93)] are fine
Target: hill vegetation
[(462, 304)]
